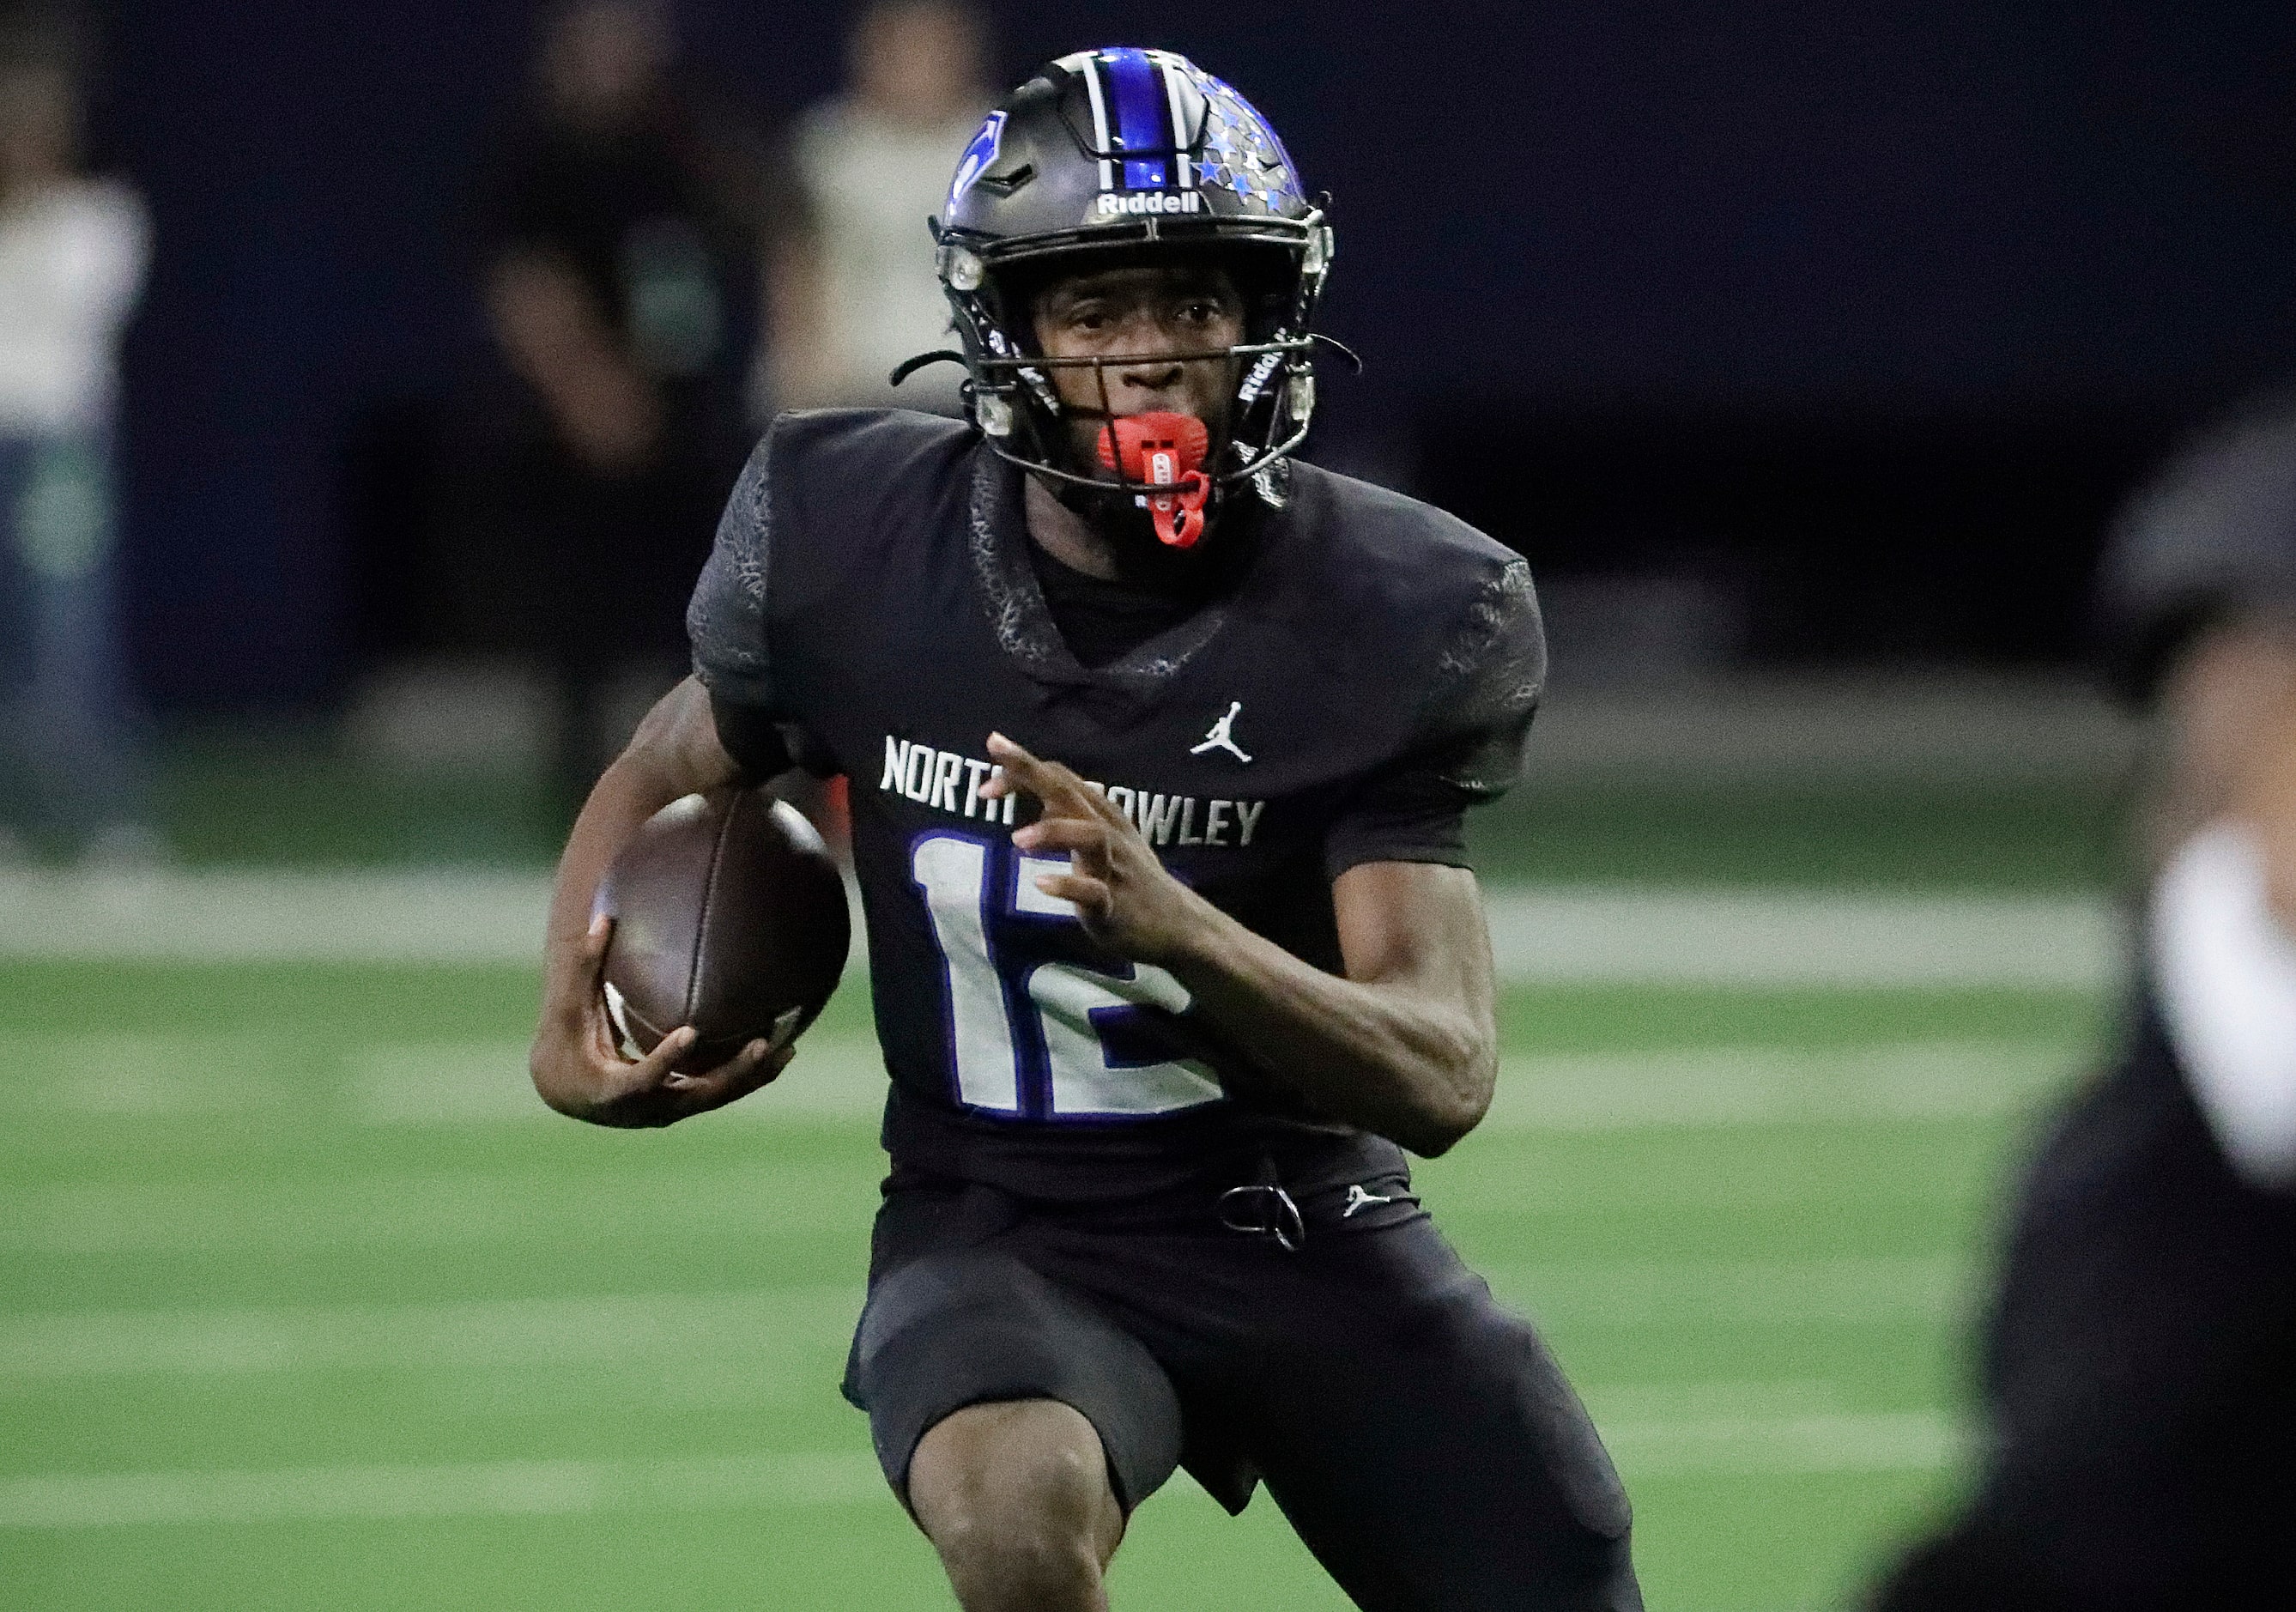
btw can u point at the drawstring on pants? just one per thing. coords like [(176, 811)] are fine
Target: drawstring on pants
[(1262, 1208)]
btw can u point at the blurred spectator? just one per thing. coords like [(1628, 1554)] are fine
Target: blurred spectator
[(876, 163), (72, 255), (625, 230), (2138, 1365)]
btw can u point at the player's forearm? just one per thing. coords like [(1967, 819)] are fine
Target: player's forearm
[(1410, 1065), (674, 753), (624, 797)]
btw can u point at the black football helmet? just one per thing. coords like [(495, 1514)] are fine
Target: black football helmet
[(1128, 150)]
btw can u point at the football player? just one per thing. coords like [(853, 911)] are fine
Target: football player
[(2139, 1371), (1159, 743)]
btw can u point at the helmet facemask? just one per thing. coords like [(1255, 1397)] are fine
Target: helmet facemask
[(1070, 428), (1269, 388)]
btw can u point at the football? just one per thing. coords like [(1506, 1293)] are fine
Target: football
[(729, 915)]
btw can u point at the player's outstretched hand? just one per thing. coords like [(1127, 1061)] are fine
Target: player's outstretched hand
[(1123, 895), (579, 1071)]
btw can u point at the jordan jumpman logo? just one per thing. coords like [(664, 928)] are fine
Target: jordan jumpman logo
[(1223, 736)]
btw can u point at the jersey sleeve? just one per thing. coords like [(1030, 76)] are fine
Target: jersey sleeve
[(1470, 742), (1409, 817), (726, 624), (2214, 536)]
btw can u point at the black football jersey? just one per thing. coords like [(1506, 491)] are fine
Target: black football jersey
[(871, 595)]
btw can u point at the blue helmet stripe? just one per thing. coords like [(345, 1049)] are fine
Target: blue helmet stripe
[(1143, 118)]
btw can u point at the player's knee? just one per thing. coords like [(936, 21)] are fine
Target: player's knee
[(1024, 1560), (1015, 1498)]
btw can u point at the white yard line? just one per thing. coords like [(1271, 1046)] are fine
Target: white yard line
[(483, 1082), (1831, 1441), (1540, 934), (1786, 1294), (839, 1081), (540, 1488), (137, 1217), (591, 1329), (430, 917), (1895, 1441), (1564, 934), (770, 1323), (840, 1077), (1726, 1086), (134, 1213), (1799, 731), (843, 1077)]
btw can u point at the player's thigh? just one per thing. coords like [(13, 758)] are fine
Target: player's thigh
[(1016, 1476), (973, 1327), (1425, 1445)]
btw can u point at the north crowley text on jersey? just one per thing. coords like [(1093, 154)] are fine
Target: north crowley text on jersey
[(946, 781)]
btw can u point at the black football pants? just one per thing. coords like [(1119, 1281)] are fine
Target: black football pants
[(1419, 1438)]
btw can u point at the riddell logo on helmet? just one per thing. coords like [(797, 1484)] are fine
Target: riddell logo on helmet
[(1154, 202)]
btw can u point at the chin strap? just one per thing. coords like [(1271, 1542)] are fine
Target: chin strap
[(1163, 451)]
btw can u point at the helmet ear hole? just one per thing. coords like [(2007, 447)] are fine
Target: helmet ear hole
[(1004, 185)]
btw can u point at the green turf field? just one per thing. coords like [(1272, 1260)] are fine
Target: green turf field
[(305, 1303)]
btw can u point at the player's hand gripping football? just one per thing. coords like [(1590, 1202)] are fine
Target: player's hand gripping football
[(1125, 898), (579, 1039)]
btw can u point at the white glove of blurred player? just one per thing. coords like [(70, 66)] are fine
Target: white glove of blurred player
[(2227, 970)]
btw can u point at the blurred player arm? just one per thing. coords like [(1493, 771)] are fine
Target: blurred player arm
[(555, 339), (1406, 1044)]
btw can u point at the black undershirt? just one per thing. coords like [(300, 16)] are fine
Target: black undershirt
[(1101, 621)]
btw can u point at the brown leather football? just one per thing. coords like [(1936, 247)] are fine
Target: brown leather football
[(729, 916)]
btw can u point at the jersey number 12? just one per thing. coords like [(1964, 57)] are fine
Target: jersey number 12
[(1036, 1037)]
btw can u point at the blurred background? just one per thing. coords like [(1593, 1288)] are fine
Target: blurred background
[(380, 370)]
